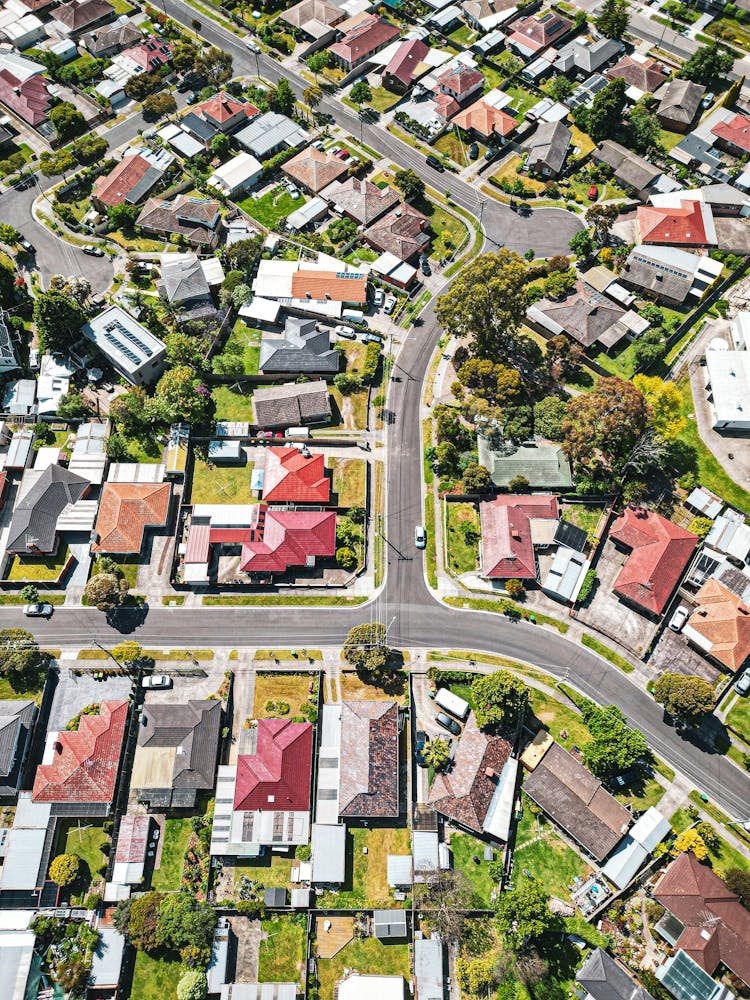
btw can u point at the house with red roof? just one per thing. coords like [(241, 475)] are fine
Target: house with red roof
[(369, 772), (406, 65), (264, 799), (720, 625), (147, 56), (79, 771), (363, 41), (659, 555), (734, 135), (531, 35), (226, 113), (690, 224), (29, 99), (292, 476), (484, 121), (280, 539), (117, 186), (461, 82), (512, 526)]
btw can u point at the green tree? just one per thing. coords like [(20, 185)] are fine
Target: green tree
[(319, 61), (89, 148), (71, 406), (54, 164), (487, 303), (700, 526), (122, 217), (30, 594), (9, 235), (476, 479), (559, 88), (613, 18), (709, 836), (139, 87), (68, 121), (157, 105), (183, 349), (72, 974), (58, 320), (614, 747), (559, 283), (649, 348), (707, 65), (409, 183), (644, 131), (515, 588), (601, 428), (179, 395), (436, 753), (281, 98), (603, 118), (105, 591), (361, 92), (118, 449), (216, 65), (220, 144), (346, 557), (182, 923), (738, 881), (130, 411), (64, 869), (366, 650), (665, 401), (21, 660), (312, 96), (582, 243), (499, 699), (686, 698), (140, 924), (183, 56), (549, 414), (518, 484), (192, 986), (523, 913)]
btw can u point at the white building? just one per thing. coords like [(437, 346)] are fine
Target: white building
[(239, 174), (728, 383), (740, 331), (129, 347)]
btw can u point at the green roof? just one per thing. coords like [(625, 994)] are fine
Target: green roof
[(544, 465)]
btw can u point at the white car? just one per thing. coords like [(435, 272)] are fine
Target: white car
[(679, 618), (156, 681), (379, 298), (253, 46), (293, 192), (38, 610), (345, 331), (390, 305), (743, 684)]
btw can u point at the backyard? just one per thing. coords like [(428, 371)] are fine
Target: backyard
[(233, 402), (349, 481), (465, 848), (243, 347), (540, 851), (367, 854), (85, 840), (367, 955), (166, 877), (271, 207), (294, 689), (220, 483), (272, 870), (463, 537), (282, 949), (155, 977), (584, 516)]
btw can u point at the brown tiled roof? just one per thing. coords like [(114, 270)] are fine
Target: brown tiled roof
[(79, 13), (717, 925), (647, 76), (320, 285), (193, 218), (464, 793), (723, 620), (290, 405), (407, 60), (485, 119), (461, 79), (368, 782), (222, 107), (400, 232), (112, 188), (367, 37), (362, 200), (126, 510), (315, 169)]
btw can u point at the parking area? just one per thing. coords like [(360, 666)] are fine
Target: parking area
[(673, 652), (73, 694), (605, 612), (188, 688)]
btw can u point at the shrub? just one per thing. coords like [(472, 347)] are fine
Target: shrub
[(346, 557), (303, 852), (278, 707), (372, 359), (587, 586), (515, 588), (64, 869)]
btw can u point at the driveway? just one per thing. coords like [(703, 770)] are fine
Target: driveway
[(75, 693), (674, 653)]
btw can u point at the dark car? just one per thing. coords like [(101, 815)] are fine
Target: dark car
[(420, 744), (192, 97), (424, 265), (25, 245), (473, 151), (492, 153), (434, 162), (447, 723)]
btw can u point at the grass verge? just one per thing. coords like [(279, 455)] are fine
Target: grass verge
[(486, 604), (607, 653), (260, 600)]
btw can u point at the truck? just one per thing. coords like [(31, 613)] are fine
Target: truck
[(452, 703)]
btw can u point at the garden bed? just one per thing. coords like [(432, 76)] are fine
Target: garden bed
[(291, 689)]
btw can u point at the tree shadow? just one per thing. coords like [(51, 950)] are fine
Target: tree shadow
[(127, 618)]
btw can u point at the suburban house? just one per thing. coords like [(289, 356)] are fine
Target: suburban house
[(531, 35), (196, 219), (632, 171), (237, 175), (642, 75), (17, 719), (659, 554), (292, 405), (577, 802), (132, 845), (544, 465), (512, 526), (477, 792), (705, 921), (406, 66), (8, 359), (728, 385), (80, 768), (145, 57), (602, 978), (689, 224), (461, 82), (402, 232), (302, 350), (669, 275), (326, 285), (679, 103), (292, 476), (269, 134), (584, 56), (361, 200), (314, 170), (107, 41), (129, 181), (636, 848), (316, 21), (23, 89), (225, 113), (587, 316), (132, 350), (485, 121), (720, 625), (484, 15), (126, 511), (175, 757), (183, 283), (263, 800), (50, 502), (369, 775), (567, 571), (363, 41), (281, 539), (548, 148), (72, 19)]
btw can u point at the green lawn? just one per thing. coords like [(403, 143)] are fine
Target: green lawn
[(448, 231), (176, 835), (367, 883), (559, 718), (549, 859), (583, 515), (465, 848), (9, 693), (623, 363), (383, 100), (84, 841), (725, 856), (232, 403), (243, 343), (282, 952), (292, 688), (607, 653), (220, 483), (454, 147), (259, 600), (271, 207), (128, 566), (349, 481), (739, 718), (463, 35), (367, 956), (680, 820), (522, 99), (32, 568), (463, 547), (272, 871), (702, 462), (155, 977), (642, 796)]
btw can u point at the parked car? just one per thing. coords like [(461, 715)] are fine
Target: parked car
[(378, 298), (253, 46), (345, 331), (492, 153), (318, 144), (420, 536), (679, 618), (38, 610), (473, 150), (334, 150), (420, 744), (447, 723), (92, 250), (25, 245), (434, 162), (371, 338), (593, 192), (424, 265), (192, 97), (156, 681), (343, 154), (743, 684), (390, 304)]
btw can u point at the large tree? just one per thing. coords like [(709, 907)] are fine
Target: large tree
[(602, 427), (707, 65), (184, 924), (281, 98), (523, 913), (130, 411), (665, 401), (179, 395), (64, 869), (138, 921), (686, 698), (106, 591), (21, 660), (644, 130), (487, 302), (499, 698), (603, 118), (216, 65), (365, 648), (614, 747), (68, 121), (613, 18), (444, 897), (549, 414), (409, 183)]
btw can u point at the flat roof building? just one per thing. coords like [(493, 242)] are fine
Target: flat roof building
[(132, 350)]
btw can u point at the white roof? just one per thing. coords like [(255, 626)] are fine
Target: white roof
[(121, 338), (729, 374), (23, 857), (49, 391), (127, 872), (16, 954), (226, 515), (314, 209), (566, 574), (108, 88), (22, 69), (236, 171), (704, 501), (741, 329), (259, 991), (106, 965), (136, 472), (428, 969), (390, 266), (650, 829), (46, 457), (500, 811), (213, 272), (186, 144), (357, 987), (263, 310), (328, 852), (169, 131), (424, 850)]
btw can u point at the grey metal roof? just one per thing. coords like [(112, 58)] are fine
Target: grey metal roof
[(259, 991), (274, 896), (34, 522), (198, 126), (144, 185), (183, 279), (106, 965), (328, 853), (303, 349), (389, 923), (270, 131), (604, 979), (16, 718), (194, 729), (399, 868), (549, 145), (8, 360), (428, 969), (424, 850)]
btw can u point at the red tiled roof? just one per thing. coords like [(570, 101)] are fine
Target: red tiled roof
[(408, 57), (364, 39), (112, 188), (507, 549), (30, 99), (723, 620), (717, 925), (223, 106), (276, 778), (683, 226), (446, 106), (537, 32), (647, 75), (150, 53), (320, 285), (132, 838), (289, 538), (660, 553), (461, 79), (737, 132), (126, 510), (485, 119), (369, 775), (315, 169), (291, 476), (87, 762)]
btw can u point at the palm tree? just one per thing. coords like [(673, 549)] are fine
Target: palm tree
[(312, 96), (436, 753)]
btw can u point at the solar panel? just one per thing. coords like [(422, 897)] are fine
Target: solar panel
[(131, 355)]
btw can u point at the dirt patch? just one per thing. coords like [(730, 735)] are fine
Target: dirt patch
[(347, 413)]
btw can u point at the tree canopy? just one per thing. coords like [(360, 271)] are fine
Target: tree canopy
[(523, 913), (613, 18), (686, 698), (366, 650), (603, 118), (614, 747), (665, 402), (499, 698), (409, 183), (707, 65), (179, 395), (21, 660), (58, 319), (69, 122), (691, 840), (216, 65), (601, 428), (106, 591), (281, 98)]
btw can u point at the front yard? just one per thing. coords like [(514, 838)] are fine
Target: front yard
[(220, 483), (463, 537), (354, 689), (25, 569), (293, 689), (739, 717), (282, 949), (166, 878), (270, 208), (349, 481), (448, 231)]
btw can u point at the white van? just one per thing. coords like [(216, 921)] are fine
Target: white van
[(353, 315), (452, 703)]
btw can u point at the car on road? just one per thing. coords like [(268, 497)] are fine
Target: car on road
[(743, 684), (378, 298), (192, 97), (434, 162), (38, 610), (345, 331), (679, 618), (447, 723), (419, 745), (92, 250), (593, 192), (25, 245), (390, 304), (473, 150), (253, 46), (156, 681), (420, 536)]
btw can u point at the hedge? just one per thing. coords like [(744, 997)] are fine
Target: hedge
[(372, 359)]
